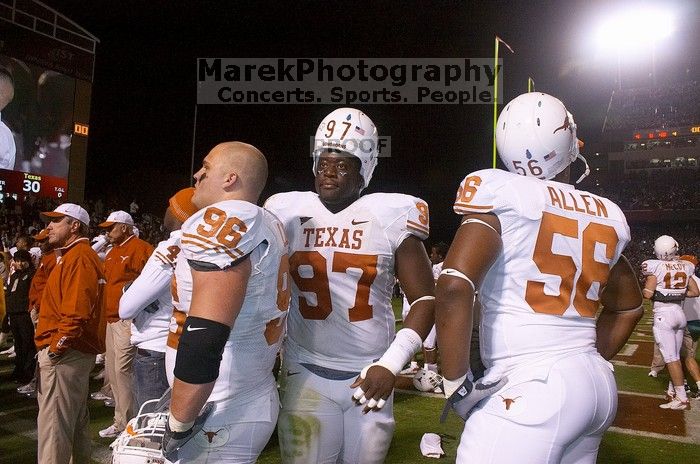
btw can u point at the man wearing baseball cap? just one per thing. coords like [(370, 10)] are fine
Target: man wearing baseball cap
[(122, 265), (70, 332)]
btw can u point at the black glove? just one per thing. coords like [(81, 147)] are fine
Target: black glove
[(468, 395), (173, 441)]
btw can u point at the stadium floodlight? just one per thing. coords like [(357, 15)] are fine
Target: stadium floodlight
[(632, 30), (635, 28)]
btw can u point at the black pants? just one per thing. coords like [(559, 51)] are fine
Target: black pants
[(23, 333)]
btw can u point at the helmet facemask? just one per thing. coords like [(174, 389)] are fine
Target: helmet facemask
[(350, 131)]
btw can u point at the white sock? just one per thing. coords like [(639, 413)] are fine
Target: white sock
[(680, 393)]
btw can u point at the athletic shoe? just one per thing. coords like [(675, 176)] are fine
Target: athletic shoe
[(27, 389), (110, 432), (99, 396), (677, 404), (438, 390), (100, 358), (694, 395), (109, 403), (653, 373)]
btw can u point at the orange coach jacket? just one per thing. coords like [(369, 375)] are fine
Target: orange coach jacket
[(122, 265), (48, 262), (72, 313)]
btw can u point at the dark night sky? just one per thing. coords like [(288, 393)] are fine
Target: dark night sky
[(145, 84)]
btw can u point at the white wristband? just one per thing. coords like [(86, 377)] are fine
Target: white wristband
[(406, 343), (177, 426)]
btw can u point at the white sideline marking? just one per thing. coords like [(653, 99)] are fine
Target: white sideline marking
[(660, 436), (628, 350)]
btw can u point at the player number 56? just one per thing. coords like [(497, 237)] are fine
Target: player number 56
[(535, 170), (563, 266)]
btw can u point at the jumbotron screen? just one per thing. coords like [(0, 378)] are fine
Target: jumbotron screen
[(40, 121)]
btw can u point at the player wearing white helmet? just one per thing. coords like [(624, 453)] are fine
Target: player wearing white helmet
[(667, 284), (345, 251), (543, 257)]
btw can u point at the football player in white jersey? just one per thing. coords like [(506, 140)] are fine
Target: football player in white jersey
[(345, 251), (543, 257), (148, 303), (668, 283), (231, 299)]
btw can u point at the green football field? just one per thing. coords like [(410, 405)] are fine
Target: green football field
[(642, 432)]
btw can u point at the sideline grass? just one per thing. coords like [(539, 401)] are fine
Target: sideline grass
[(415, 415)]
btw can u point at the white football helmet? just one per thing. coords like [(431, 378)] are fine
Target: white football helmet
[(426, 380), (351, 131), (666, 248), (141, 441), (536, 136)]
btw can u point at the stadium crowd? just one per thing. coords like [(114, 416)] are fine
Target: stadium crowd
[(676, 190), (647, 108), (22, 219)]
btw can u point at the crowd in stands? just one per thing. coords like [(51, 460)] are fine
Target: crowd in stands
[(17, 220), (676, 190), (645, 108)]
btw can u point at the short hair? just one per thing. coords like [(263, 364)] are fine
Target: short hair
[(26, 239), (22, 255), (83, 230)]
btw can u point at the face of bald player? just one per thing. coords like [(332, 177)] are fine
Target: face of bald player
[(338, 180), (211, 179)]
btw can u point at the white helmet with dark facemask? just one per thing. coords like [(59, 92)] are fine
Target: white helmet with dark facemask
[(141, 441), (350, 131), (536, 136)]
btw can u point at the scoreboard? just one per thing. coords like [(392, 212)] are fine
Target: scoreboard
[(652, 134), (13, 182), (51, 60)]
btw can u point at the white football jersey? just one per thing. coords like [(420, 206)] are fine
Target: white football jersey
[(691, 306), (215, 238), (150, 322), (671, 278), (540, 297), (342, 268)]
